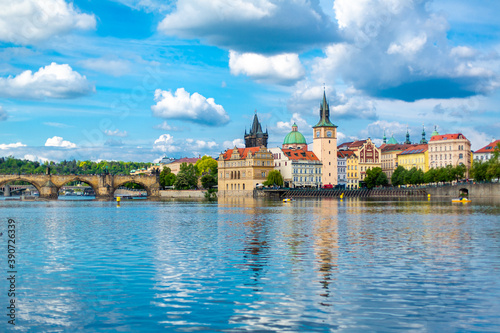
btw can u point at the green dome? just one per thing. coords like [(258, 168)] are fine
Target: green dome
[(294, 137), (392, 141)]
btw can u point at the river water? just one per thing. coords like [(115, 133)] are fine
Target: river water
[(248, 265)]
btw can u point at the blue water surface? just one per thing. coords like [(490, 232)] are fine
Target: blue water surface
[(249, 265)]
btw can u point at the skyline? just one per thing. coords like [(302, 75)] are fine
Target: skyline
[(137, 80)]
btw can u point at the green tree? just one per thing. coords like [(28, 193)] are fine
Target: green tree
[(187, 177), (375, 177), (167, 178), (274, 178), (398, 177), (478, 170), (208, 180), (206, 165)]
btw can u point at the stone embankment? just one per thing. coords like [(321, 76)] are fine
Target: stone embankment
[(185, 194)]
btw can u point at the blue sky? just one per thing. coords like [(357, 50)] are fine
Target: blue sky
[(136, 80)]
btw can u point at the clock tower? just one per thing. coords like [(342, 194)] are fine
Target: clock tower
[(325, 144)]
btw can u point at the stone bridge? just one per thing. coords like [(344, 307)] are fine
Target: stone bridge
[(104, 186)]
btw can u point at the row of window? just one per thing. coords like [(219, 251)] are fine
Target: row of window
[(435, 149), (435, 157), (235, 187), (244, 163), (316, 170)]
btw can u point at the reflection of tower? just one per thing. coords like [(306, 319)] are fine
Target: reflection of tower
[(327, 244), (256, 137), (325, 143)]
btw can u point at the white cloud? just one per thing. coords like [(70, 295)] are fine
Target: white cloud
[(240, 143), (4, 146), (57, 141), (376, 130), (53, 81), (3, 114), (283, 127), (165, 143), (116, 133), (261, 26), (476, 138), (30, 21), (148, 5), (399, 49), (114, 67), (195, 108), (463, 52), (282, 69), (166, 127), (34, 158), (408, 47), (200, 144)]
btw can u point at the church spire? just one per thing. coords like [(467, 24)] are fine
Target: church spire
[(384, 138), (407, 136), (423, 141), (324, 113)]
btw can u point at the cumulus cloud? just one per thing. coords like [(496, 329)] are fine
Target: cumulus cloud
[(35, 158), (283, 127), (114, 67), (165, 127), (165, 143), (239, 143), (200, 144), (377, 128), (261, 26), (57, 141), (195, 108), (30, 21), (52, 81), (283, 69), (116, 133), (3, 114), (4, 146), (398, 49)]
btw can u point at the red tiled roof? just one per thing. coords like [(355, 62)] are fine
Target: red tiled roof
[(353, 144), (344, 153), (393, 147), (489, 148), (299, 154), (242, 151), (418, 149), (448, 137), (187, 160)]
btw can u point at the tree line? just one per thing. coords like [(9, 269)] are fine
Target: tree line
[(10, 165), (190, 176)]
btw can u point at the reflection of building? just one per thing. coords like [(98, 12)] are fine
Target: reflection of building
[(486, 153), (299, 168), (241, 169), (325, 144), (256, 137), (449, 149), (415, 156)]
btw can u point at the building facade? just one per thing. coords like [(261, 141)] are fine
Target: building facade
[(389, 157), (352, 172), (486, 153), (416, 156), (342, 156), (325, 144), (449, 149), (241, 170), (299, 168)]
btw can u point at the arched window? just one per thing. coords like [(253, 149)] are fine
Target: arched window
[(243, 186)]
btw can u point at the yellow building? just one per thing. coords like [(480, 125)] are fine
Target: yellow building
[(242, 169), (325, 144), (415, 157), (352, 172), (389, 157), (368, 157)]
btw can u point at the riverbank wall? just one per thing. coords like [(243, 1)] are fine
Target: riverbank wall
[(185, 194)]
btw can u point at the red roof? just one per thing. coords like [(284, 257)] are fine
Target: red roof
[(448, 137), (418, 149), (353, 144), (344, 153), (189, 160), (393, 147), (299, 154), (489, 148), (242, 151)]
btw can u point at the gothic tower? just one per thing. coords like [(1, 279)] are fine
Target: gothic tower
[(256, 137), (325, 143)]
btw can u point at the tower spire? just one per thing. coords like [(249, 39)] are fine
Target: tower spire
[(423, 141), (384, 138), (324, 113), (407, 136)]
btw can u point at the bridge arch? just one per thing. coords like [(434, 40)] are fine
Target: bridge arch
[(131, 180), (24, 179), (79, 178)]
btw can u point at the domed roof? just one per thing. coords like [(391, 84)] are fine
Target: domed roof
[(294, 137), (392, 141)]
